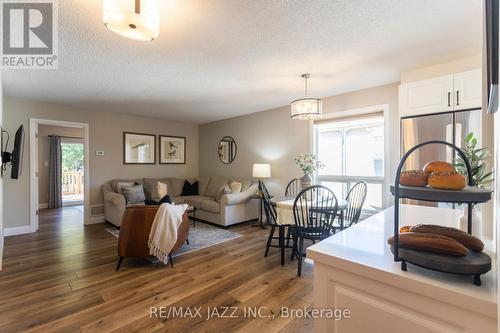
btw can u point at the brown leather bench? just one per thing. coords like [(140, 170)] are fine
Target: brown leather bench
[(134, 233)]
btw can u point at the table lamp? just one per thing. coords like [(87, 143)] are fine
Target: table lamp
[(261, 171)]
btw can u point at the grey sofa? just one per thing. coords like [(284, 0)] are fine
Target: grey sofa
[(227, 210)]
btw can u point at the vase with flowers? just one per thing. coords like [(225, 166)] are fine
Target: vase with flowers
[(309, 164)]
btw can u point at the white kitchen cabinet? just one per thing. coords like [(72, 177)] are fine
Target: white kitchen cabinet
[(427, 96), (467, 90), (452, 92)]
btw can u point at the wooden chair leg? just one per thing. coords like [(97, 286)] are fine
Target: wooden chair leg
[(171, 260), (301, 256), (294, 247), (282, 244), (269, 240), (120, 260)]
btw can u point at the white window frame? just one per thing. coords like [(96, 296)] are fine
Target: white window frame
[(351, 180)]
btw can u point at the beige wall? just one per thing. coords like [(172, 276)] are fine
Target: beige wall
[(105, 134), (456, 66), (272, 137), (44, 155)]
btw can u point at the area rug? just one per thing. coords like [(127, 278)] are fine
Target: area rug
[(202, 236)]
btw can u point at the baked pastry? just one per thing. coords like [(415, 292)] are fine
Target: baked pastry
[(438, 166), (469, 241), (447, 180), (433, 243), (413, 178), (406, 228)]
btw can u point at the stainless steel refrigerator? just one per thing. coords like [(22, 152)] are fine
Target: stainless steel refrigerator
[(449, 126)]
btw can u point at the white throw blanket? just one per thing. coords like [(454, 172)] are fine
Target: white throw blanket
[(163, 234)]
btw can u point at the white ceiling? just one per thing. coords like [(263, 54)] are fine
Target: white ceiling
[(223, 58)]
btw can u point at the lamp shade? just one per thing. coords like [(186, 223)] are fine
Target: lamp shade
[(306, 109), (261, 171), (134, 19)]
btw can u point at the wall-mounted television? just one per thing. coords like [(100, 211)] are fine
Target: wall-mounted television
[(15, 158), (491, 29)]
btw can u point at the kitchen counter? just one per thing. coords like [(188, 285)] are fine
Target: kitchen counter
[(355, 269)]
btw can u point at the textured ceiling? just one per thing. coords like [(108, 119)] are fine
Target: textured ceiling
[(223, 58)]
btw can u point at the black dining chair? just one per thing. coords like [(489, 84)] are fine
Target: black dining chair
[(293, 188), (355, 201), (314, 211), (271, 216)]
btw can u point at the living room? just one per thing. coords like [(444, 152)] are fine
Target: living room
[(204, 131)]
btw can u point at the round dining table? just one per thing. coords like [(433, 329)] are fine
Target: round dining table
[(342, 206)]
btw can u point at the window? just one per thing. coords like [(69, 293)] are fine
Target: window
[(352, 150)]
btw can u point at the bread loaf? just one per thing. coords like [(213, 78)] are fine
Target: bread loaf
[(447, 180), (438, 166), (413, 178), (469, 241), (433, 243)]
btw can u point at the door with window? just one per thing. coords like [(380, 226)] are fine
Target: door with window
[(352, 150)]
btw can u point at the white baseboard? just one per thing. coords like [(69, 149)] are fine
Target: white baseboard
[(43, 206), (95, 219), (13, 231)]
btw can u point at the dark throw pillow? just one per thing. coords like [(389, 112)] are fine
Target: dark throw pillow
[(190, 189), (165, 199)]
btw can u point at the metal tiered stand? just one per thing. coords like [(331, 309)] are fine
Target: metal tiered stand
[(475, 263)]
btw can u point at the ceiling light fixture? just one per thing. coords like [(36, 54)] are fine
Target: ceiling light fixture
[(135, 19), (306, 108)]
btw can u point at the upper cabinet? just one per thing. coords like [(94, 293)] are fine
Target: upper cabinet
[(468, 87), (457, 91)]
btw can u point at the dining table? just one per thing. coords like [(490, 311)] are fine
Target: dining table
[(285, 210)]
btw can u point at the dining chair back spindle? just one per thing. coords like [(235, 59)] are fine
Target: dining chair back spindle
[(355, 201), (293, 188)]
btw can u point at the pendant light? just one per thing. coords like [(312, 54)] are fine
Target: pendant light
[(306, 108), (135, 19)]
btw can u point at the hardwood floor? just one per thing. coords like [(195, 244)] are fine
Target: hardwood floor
[(63, 279)]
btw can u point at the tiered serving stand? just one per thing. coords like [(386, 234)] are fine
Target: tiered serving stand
[(475, 263)]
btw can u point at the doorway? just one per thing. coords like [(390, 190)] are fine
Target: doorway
[(59, 176), (72, 167)]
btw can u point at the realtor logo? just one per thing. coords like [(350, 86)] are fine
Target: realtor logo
[(29, 34)]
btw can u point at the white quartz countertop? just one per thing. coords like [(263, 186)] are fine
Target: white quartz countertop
[(363, 249)]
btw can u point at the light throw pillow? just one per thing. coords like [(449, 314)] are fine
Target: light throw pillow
[(134, 194), (121, 186), (223, 190), (235, 187), (162, 188)]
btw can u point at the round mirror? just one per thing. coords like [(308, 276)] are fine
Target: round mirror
[(227, 150)]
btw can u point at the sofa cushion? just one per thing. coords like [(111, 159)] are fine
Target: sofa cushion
[(202, 185), (214, 186), (178, 200), (115, 182), (210, 205), (176, 185), (245, 183), (121, 186), (134, 194), (195, 200), (156, 188)]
